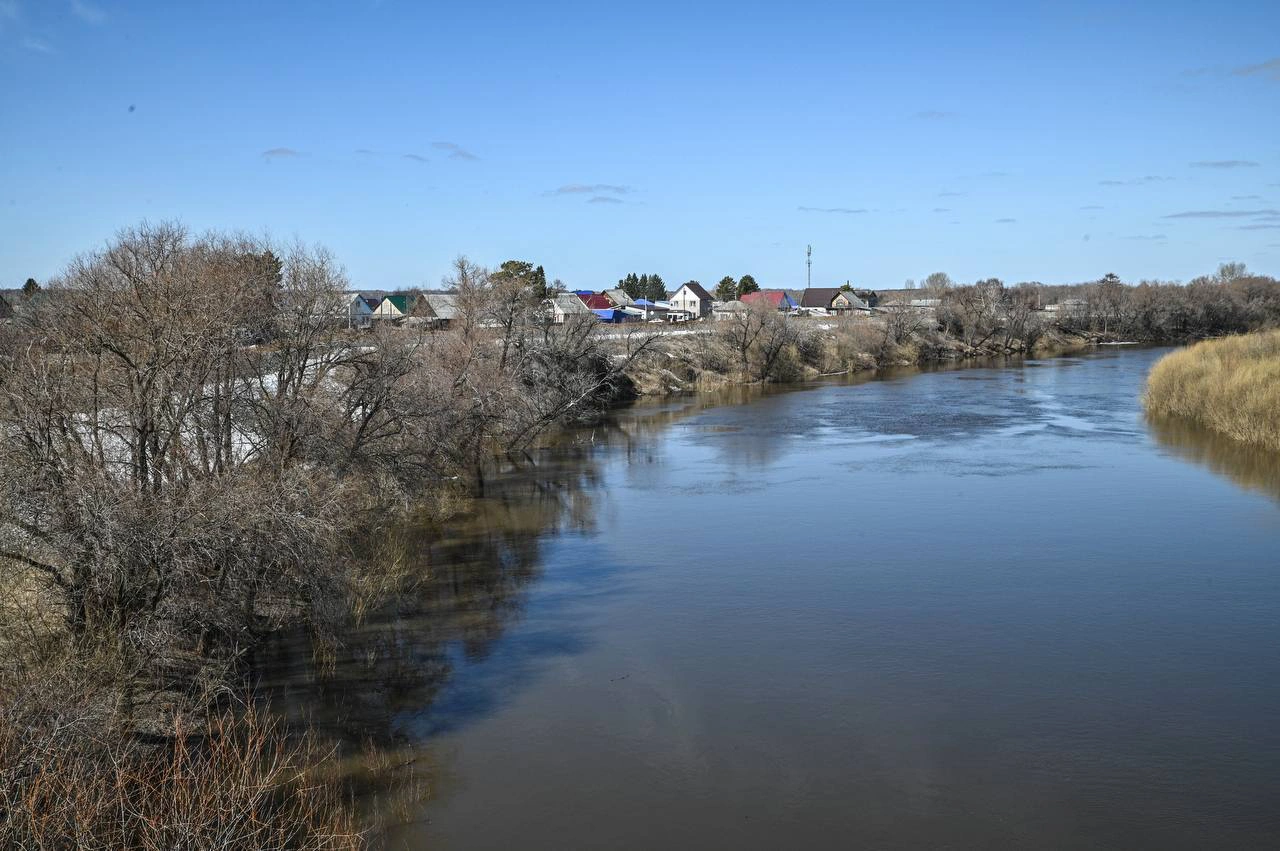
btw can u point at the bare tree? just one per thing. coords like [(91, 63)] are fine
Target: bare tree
[(759, 336), (174, 486)]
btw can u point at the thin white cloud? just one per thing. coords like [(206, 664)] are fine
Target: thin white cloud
[(88, 12), (1005, 221), (1222, 214), (456, 152), (590, 189), (38, 45), (1136, 181), (280, 154), (843, 210), (1269, 70), (604, 199), (1225, 164), (418, 158)]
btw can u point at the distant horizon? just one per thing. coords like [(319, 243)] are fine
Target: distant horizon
[(689, 141)]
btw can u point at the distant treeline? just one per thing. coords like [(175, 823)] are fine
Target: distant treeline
[(1230, 301)]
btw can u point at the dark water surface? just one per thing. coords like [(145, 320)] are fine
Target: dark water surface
[(983, 608)]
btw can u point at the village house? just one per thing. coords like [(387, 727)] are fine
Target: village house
[(722, 310), (440, 309), (692, 299), (779, 300), (596, 301), (567, 306), (651, 309), (619, 297), (358, 310), (398, 307), (1067, 305), (833, 300)]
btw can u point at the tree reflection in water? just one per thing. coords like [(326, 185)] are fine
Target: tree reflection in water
[(377, 692)]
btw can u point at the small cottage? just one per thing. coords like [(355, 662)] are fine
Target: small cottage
[(567, 306), (356, 310), (440, 309), (619, 297), (833, 300), (779, 300), (692, 299)]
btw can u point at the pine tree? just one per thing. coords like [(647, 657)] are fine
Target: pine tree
[(727, 289), (657, 288)]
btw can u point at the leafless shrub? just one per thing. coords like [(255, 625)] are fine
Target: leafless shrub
[(234, 782), (760, 337)]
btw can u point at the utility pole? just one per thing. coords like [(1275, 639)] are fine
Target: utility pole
[(808, 263)]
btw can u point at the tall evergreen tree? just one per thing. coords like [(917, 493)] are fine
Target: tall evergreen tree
[(30, 288), (747, 284), (647, 286), (727, 289), (657, 288), (631, 285)]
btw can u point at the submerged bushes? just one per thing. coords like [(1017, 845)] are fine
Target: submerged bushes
[(1231, 386)]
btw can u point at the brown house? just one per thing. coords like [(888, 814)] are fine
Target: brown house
[(833, 299)]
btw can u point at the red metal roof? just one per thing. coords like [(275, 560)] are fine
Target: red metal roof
[(595, 301), (773, 297)]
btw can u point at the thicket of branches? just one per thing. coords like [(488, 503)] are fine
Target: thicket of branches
[(193, 441), (1231, 301), (194, 450), (987, 312)]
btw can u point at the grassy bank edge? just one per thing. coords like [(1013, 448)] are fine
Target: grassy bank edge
[(1230, 385)]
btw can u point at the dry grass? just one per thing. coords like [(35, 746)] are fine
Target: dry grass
[(1230, 385), (237, 784)]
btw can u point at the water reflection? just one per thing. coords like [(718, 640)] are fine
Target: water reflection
[(1248, 466), (382, 690), (467, 587)]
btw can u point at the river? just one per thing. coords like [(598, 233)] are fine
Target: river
[(985, 607)]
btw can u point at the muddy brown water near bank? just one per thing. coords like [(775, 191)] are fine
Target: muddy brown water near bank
[(989, 607)]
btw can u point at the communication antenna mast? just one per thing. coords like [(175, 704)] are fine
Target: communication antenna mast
[(808, 264)]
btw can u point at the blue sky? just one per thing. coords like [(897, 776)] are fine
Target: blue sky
[(1027, 141)]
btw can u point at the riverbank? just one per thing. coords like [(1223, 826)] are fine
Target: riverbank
[(1229, 385), (806, 350)]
